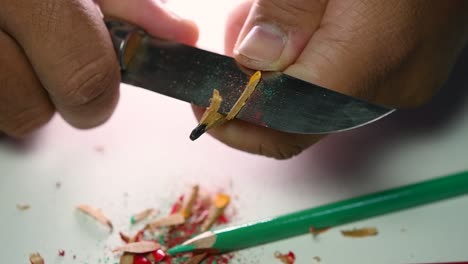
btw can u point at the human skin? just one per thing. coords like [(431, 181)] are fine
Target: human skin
[(395, 53), (57, 55)]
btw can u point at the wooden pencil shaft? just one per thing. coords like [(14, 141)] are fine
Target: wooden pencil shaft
[(341, 212)]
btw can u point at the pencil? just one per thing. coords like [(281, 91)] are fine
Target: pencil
[(325, 216)]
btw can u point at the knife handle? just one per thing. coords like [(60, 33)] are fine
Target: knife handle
[(126, 39)]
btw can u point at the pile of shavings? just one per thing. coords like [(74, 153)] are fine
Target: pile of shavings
[(189, 216), (288, 258)]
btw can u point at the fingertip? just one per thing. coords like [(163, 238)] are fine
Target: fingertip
[(91, 99), (234, 24), (169, 25), (275, 33), (188, 32)]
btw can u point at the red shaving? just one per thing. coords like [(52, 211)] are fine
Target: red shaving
[(223, 220), (158, 255), (139, 236), (141, 260), (224, 259), (171, 236), (61, 252), (288, 258), (177, 205)]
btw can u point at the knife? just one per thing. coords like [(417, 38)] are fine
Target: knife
[(280, 101)]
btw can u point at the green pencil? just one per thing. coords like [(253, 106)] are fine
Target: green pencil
[(334, 214)]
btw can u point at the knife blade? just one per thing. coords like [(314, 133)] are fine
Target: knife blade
[(280, 101)]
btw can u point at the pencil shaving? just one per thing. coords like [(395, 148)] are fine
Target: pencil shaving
[(196, 259), (138, 247), (23, 207), (96, 214), (125, 238), (212, 118), (130, 239), (288, 258), (156, 256), (361, 232), (315, 232), (137, 218), (126, 259), (249, 89), (186, 209), (220, 203), (36, 258), (222, 200), (168, 221)]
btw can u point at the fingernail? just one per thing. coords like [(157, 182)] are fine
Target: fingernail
[(264, 43)]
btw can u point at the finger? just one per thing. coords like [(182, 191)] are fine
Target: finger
[(24, 105), (234, 25), (396, 55), (276, 31), (70, 50), (153, 17), (291, 19), (259, 140)]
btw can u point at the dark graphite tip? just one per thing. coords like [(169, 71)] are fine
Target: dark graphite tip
[(197, 132)]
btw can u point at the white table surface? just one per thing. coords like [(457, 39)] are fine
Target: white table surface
[(148, 160)]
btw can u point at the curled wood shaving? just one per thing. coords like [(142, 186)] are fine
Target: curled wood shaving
[(212, 118), (143, 215), (317, 258), (36, 258), (288, 258), (23, 207), (138, 247), (96, 214), (249, 89), (126, 259), (220, 203), (186, 209), (196, 259), (171, 220), (361, 232)]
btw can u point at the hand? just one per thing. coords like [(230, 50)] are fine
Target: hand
[(56, 55), (395, 53)]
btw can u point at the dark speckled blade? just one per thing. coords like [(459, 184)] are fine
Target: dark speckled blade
[(280, 101)]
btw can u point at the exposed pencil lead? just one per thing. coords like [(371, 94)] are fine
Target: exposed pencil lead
[(197, 132)]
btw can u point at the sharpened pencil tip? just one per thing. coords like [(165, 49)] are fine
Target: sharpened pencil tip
[(197, 132), (180, 249)]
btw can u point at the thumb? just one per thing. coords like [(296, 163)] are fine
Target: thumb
[(276, 32)]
